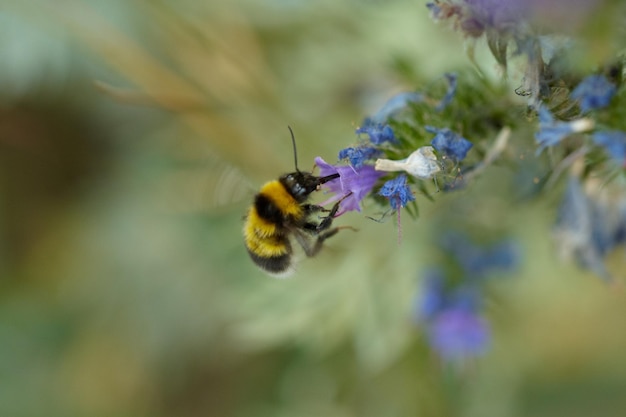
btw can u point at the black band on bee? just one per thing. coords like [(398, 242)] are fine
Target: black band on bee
[(274, 264), (267, 210)]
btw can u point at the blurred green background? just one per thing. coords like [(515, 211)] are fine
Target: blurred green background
[(133, 135)]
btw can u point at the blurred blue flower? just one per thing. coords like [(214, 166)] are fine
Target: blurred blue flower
[(449, 143), (594, 92), (394, 105), (358, 182), (459, 334), (436, 297), (614, 142), (453, 326), (476, 261), (378, 133), (588, 227), (433, 297), (452, 85), (436, 12), (552, 131), (397, 192), (449, 307), (359, 155)]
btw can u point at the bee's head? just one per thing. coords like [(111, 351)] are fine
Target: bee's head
[(301, 184)]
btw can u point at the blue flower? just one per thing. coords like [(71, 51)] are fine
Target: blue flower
[(357, 182), (594, 92), (378, 133), (397, 192), (614, 142), (459, 334), (552, 131), (452, 84), (449, 143), (359, 155)]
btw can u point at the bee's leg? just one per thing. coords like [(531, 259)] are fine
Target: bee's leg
[(313, 208), (321, 230), (328, 220), (312, 248)]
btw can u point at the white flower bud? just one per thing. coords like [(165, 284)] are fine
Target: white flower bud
[(422, 164)]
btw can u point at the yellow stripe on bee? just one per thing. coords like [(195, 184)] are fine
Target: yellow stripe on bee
[(276, 192), (260, 236), (256, 225), (267, 248)]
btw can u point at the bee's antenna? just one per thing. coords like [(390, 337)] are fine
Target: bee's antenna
[(295, 152)]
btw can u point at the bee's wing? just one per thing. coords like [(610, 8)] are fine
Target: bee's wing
[(204, 186)]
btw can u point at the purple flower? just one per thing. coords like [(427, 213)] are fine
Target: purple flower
[(397, 192), (358, 181), (474, 17), (496, 14), (594, 92), (552, 131), (459, 334), (614, 142), (358, 155), (449, 143), (378, 133), (452, 84)]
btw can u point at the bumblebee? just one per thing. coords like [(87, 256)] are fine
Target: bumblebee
[(280, 212)]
